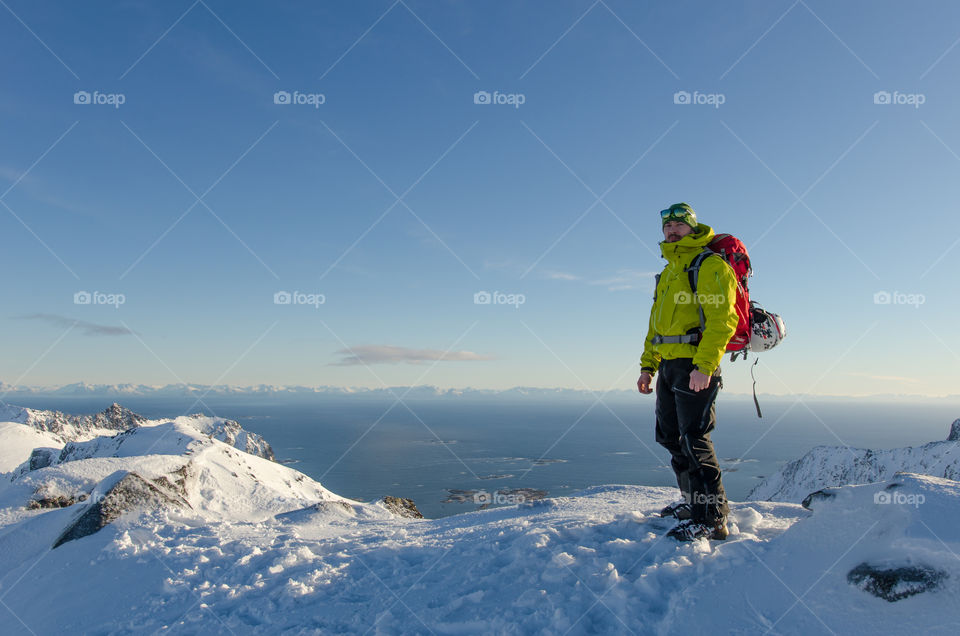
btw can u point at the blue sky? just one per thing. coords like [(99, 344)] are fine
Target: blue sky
[(399, 198)]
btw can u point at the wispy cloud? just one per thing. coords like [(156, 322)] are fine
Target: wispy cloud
[(623, 279), (505, 264), (560, 276), (85, 327), (626, 279), (31, 186), (389, 354), (12, 174)]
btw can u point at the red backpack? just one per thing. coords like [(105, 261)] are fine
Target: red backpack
[(757, 329), (733, 251)]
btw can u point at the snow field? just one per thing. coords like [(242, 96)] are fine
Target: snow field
[(259, 548)]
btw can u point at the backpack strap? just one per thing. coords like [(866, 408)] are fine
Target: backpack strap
[(693, 273), (755, 402), (691, 337)]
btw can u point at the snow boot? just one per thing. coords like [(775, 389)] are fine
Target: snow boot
[(690, 530), (678, 510)]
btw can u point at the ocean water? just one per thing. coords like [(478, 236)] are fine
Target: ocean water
[(454, 456)]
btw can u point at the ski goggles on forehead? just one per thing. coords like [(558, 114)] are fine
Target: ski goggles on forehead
[(679, 214)]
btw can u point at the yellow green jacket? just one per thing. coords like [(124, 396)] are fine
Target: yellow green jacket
[(675, 311)]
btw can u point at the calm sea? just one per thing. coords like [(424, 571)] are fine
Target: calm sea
[(364, 450)]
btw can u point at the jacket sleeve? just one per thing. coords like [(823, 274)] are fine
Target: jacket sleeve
[(717, 291), (650, 360)]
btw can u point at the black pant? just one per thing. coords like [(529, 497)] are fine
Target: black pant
[(684, 421)]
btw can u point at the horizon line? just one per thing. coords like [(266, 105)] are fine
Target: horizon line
[(101, 389)]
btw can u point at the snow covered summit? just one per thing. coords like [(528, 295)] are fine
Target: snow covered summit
[(71, 427), (165, 528), (827, 466), (53, 428)]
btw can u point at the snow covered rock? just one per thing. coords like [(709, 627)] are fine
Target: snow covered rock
[(53, 501), (42, 457), (827, 466), (230, 432), (129, 492), (895, 583), (402, 507), (954, 431)]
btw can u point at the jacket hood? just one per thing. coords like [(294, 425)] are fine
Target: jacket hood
[(694, 242)]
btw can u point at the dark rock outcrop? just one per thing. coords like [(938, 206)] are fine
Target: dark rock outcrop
[(131, 492), (894, 584), (42, 457), (117, 418), (54, 501), (402, 507), (821, 495), (954, 435)]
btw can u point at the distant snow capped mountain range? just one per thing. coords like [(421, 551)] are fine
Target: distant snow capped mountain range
[(84, 389), (421, 392)]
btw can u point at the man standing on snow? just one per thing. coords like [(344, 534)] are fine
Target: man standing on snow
[(685, 342)]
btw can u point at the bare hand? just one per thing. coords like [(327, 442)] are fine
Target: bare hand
[(643, 384), (698, 381)]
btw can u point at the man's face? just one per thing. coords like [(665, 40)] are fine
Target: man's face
[(675, 230)]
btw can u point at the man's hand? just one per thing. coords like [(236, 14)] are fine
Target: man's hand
[(643, 384), (698, 381)]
